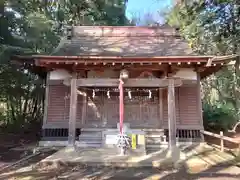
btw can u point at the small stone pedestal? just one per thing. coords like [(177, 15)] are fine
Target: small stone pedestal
[(174, 155)]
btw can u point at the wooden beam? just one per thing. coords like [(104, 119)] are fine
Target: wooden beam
[(55, 82), (120, 59), (54, 125), (101, 82), (184, 82), (220, 137), (189, 82), (118, 66), (171, 115), (72, 112)]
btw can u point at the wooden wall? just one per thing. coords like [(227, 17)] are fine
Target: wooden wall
[(186, 100), (58, 104), (140, 111)]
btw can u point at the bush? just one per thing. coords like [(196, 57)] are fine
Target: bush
[(218, 118)]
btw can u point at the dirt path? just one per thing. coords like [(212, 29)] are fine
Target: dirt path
[(79, 173), (31, 171), (8, 142)]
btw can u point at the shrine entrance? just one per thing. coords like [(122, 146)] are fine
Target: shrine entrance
[(141, 107)]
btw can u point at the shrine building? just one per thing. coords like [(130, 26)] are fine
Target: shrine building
[(142, 80)]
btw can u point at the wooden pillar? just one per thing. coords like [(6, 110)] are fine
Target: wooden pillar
[(171, 115), (199, 101), (84, 108), (72, 112), (160, 108), (121, 106), (221, 141), (84, 104), (45, 113)]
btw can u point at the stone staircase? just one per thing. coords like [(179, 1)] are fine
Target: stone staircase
[(154, 139), (90, 137), (93, 137)]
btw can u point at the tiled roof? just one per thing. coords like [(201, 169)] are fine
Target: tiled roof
[(125, 41)]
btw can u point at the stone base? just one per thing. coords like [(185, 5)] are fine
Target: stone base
[(105, 157), (163, 158), (175, 155), (139, 151)]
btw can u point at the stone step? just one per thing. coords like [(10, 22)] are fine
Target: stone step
[(153, 135), (154, 130), (98, 134), (149, 151), (86, 145), (91, 141), (153, 140), (89, 137), (153, 145)]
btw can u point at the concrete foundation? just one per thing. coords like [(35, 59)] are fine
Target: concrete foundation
[(110, 157)]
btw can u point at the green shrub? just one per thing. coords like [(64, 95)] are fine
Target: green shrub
[(218, 118)]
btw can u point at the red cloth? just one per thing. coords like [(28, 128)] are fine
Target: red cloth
[(121, 107)]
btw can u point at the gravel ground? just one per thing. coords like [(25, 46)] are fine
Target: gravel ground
[(8, 154), (30, 170)]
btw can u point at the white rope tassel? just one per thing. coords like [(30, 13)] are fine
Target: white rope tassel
[(129, 95), (67, 96), (108, 94), (93, 93), (150, 94)]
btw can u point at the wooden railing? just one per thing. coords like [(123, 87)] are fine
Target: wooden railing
[(222, 139), (186, 135)]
